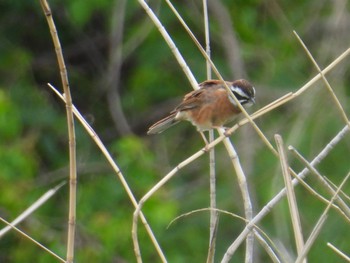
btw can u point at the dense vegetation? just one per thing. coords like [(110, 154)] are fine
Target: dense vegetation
[(123, 77)]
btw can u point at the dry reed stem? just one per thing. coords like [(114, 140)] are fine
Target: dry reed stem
[(32, 208), (31, 239), (320, 222), (334, 186), (292, 202), (334, 97), (115, 167), (266, 246), (338, 200), (320, 197), (214, 215), (71, 132), (309, 242), (243, 186), (170, 43), (340, 253)]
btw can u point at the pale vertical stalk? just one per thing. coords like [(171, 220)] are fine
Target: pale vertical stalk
[(243, 186), (292, 202), (207, 37), (214, 215), (71, 132)]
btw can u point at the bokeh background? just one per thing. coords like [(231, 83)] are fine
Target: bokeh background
[(123, 77)]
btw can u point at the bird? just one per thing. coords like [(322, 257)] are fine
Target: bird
[(211, 106)]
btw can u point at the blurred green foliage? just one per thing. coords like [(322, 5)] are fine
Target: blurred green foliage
[(33, 130)]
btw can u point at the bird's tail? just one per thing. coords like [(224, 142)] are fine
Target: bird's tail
[(163, 124)]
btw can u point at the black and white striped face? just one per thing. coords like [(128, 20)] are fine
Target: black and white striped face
[(244, 92)]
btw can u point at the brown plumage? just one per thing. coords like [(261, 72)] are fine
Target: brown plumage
[(208, 107)]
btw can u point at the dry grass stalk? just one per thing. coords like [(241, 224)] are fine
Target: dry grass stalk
[(334, 97), (320, 222), (340, 253), (214, 215), (338, 200), (71, 132), (32, 208), (292, 201), (32, 240), (170, 43), (243, 186)]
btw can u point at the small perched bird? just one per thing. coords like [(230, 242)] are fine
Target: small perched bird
[(211, 106)]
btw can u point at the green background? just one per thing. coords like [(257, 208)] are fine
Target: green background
[(149, 83)]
